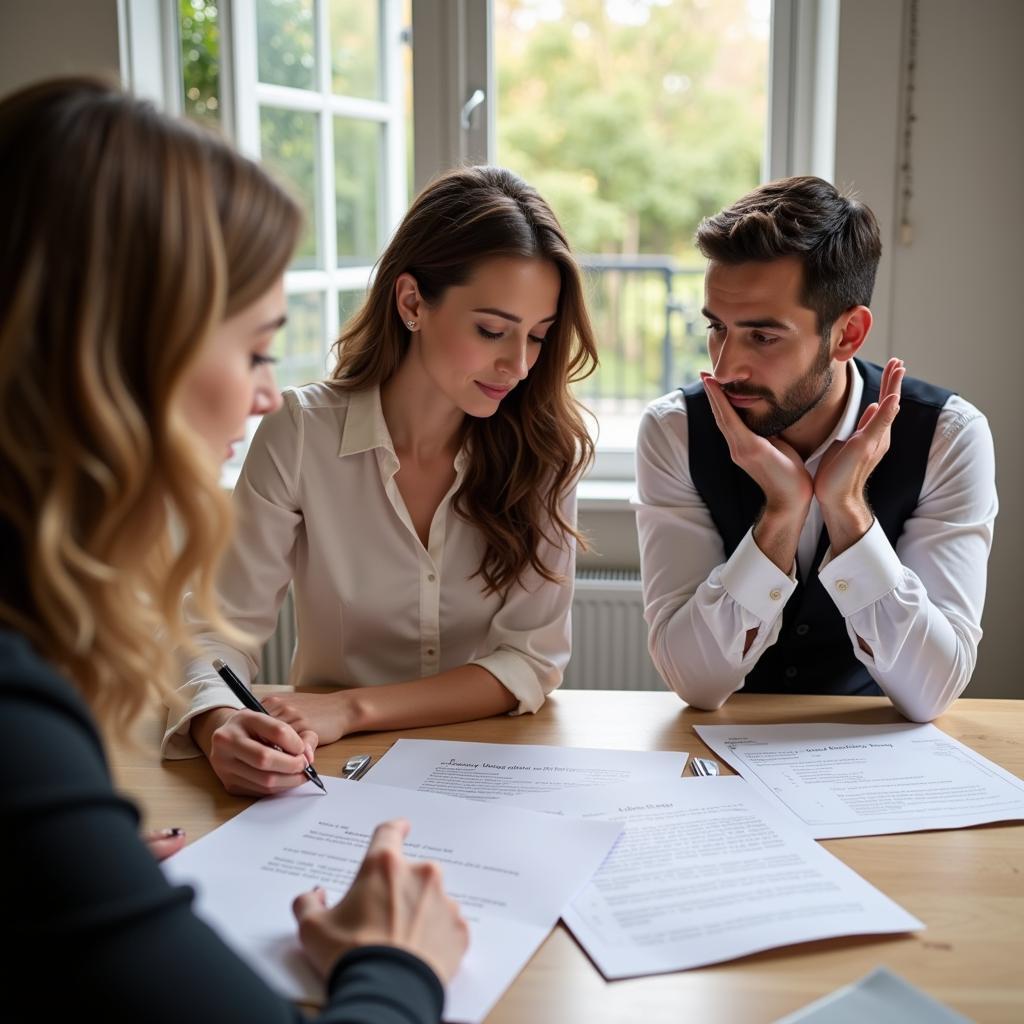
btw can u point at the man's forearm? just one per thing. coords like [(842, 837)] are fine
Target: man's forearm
[(846, 522), (777, 534)]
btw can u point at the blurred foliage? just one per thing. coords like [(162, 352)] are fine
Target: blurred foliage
[(286, 43), (634, 118), (355, 48), (199, 27)]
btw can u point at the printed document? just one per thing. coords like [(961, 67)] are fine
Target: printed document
[(495, 771), (866, 780), (706, 870), (512, 871)]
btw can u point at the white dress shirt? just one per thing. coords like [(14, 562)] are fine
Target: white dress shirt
[(317, 505), (917, 607)]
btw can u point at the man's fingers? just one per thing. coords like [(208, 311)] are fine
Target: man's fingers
[(878, 426), (866, 416), (725, 415), (892, 378)]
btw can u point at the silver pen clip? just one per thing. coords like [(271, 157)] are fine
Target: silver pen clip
[(355, 767)]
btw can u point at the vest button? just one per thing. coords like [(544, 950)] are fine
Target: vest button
[(791, 672), (803, 629)]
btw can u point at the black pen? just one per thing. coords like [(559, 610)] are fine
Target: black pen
[(251, 701)]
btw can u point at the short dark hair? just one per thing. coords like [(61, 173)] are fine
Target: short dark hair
[(836, 238)]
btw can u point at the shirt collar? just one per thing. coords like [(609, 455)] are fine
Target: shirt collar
[(848, 421), (366, 429)]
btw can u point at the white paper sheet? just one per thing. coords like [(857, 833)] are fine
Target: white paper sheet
[(495, 771), (705, 871), (865, 780), (512, 872)]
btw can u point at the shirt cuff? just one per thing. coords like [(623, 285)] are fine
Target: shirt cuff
[(863, 574), (177, 744), (755, 582), (512, 671)]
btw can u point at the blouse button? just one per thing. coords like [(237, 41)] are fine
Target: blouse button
[(431, 578), (430, 650)]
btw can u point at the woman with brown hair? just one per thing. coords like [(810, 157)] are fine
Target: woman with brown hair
[(141, 268), (421, 500)]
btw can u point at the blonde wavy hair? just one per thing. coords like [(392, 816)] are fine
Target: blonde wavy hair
[(125, 239), (525, 458)]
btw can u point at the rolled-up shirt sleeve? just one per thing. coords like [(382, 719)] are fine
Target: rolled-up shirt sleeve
[(530, 637), (253, 579), (698, 604), (918, 606)]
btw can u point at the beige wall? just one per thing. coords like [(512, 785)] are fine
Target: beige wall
[(39, 38), (949, 303)]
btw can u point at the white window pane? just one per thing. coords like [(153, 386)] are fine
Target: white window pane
[(286, 43), (288, 141), (358, 180), (299, 348), (349, 301), (355, 48)]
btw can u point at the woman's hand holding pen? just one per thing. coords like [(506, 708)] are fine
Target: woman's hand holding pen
[(392, 902), (240, 747)]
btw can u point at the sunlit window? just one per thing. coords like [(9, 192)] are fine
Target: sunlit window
[(634, 119)]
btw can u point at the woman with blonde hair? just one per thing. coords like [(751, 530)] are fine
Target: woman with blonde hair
[(141, 268), (422, 500)]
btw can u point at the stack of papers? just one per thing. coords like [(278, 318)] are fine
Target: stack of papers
[(865, 780), (652, 872)]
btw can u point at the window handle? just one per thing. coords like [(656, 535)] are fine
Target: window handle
[(469, 106)]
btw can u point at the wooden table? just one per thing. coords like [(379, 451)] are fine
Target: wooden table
[(966, 885)]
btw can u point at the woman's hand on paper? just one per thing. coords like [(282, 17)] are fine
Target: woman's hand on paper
[(240, 746), (392, 902), (330, 715)]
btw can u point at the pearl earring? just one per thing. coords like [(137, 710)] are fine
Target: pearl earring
[(411, 324)]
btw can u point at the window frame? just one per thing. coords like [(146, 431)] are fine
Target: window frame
[(249, 94)]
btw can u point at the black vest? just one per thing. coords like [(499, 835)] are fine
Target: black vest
[(813, 653)]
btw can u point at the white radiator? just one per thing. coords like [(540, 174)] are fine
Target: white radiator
[(609, 636)]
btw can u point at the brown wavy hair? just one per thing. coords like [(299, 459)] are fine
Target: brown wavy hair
[(525, 458), (125, 239)]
